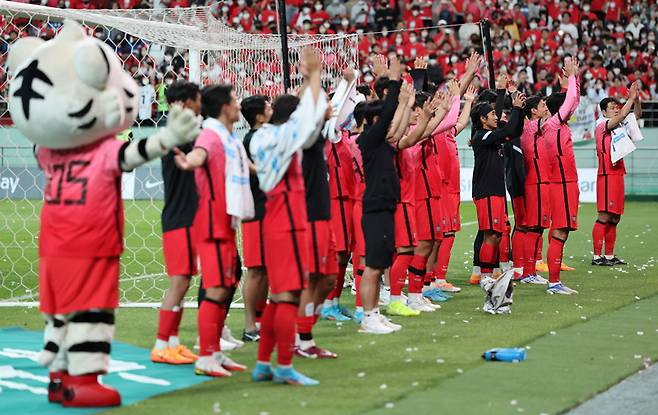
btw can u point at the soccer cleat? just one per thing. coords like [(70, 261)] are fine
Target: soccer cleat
[(398, 308), (209, 366), (419, 305), (373, 325), (56, 386), (541, 266), (345, 311), (504, 310), (445, 286), (617, 261), (315, 352), (289, 376), (251, 336), (435, 294), (85, 391), (169, 356), (185, 352), (560, 288), (388, 323), (333, 314), (384, 295), (262, 372), (358, 316), (601, 261), (228, 363), (534, 279), (565, 267), (474, 279), (431, 304), (228, 336), (226, 345)]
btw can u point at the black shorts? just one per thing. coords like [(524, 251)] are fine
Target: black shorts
[(379, 234)]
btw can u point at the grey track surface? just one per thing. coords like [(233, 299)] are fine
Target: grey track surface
[(635, 395)]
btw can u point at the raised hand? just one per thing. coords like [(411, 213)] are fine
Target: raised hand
[(634, 91), (395, 69), (511, 87), (405, 90), (471, 94), (473, 62), (379, 65), (453, 87), (310, 62), (445, 102), (519, 100), (429, 108), (420, 63), (348, 74), (501, 82)]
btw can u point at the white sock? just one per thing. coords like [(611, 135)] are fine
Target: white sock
[(609, 256), (539, 261), (369, 314), (387, 288), (553, 284), (396, 298), (476, 270), (334, 301), (306, 344), (174, 341), (161, 344), (518, 270), (496, 271), (359, 309), (327, 303)]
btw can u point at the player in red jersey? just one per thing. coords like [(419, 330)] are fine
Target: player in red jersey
[(564, 191), (257, 110), (276, 148), (178, 246), (218, 153), (610, 178)]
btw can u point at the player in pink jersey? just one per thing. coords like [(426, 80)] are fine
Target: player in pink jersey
[(83, 98), (610, 177)]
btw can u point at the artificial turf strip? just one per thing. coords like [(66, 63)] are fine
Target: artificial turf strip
[(563, 367)]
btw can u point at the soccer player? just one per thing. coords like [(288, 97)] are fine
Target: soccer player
[(563, 188), (489, 177), (178, 245), (276, 148), (379, 199), (257, 110), (222, 179), (610, 178)]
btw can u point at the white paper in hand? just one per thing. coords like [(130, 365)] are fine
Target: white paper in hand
[(621, 144), (633, 128)]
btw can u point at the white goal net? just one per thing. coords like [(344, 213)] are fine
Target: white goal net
[(157, 46)]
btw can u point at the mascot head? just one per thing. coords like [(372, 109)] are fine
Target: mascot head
[(69, 91)]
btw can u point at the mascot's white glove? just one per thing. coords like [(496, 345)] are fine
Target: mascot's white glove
[(112, 108), (182, 127)]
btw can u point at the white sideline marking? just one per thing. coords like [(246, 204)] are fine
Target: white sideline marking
[(144, 379)]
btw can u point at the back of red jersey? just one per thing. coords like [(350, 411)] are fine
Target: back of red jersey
[(285, 209), (341, 171), (603, 145), (449, 161), (82, 214), (429, 182), (406, 164), (559, 147), (537, 161), (357, 168)]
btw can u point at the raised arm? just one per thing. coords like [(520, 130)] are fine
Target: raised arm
[(403, 99), (637, 106), (501, 90), (626, 109), (407, 98), (507, 132), (439, 125), (391, 101), (419, 74), (417, 133), (472, 65), (572, 99), (464, 116)]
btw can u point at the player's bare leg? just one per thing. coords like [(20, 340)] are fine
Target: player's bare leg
[(167, 347)]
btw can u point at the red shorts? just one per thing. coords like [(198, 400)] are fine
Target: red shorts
[(537, 205), (405, 225), (286, 259), (610, 194), (453, 203), (218, 261), (429, 216), (491, 213), (518, 206), (564, 205), (359, 242), (179, 251), (253, 245), (341, 223), (323, 258), (74, 284)]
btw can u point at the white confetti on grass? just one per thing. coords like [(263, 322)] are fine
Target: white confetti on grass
[(361, 374), (439, 360), (552, 333), (513, 402), (383, 386), (389, 405), (640, 333)]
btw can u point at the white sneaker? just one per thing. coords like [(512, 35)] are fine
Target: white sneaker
[(227, 345), (373, 325), (429, 303), (388, 323), (534, 279), (384, 296), (209, 366), (419, 305), (228, 336)]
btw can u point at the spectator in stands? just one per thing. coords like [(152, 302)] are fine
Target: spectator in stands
[(336, 9)]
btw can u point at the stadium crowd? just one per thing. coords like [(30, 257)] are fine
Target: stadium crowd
[(615, 40)]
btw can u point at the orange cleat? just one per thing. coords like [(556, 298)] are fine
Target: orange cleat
[(474, 279), (169, 356), (185, 352), (541, 266), (565, 267)]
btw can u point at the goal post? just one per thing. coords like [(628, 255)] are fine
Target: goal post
[(156, 46)]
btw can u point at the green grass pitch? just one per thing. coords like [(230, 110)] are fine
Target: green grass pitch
[(373, 371)]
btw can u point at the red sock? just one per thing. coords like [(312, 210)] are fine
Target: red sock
[(398, 274), (540, 248), (487, 257), (532, 239), (416, 274), (284, 328), (554, 258), (267, 340), (443, 257), (340, 281), (518, 247), (598, 234), (165, 323), (610, 238), (260, 308), (208, 319), (357, 282), (305, 327), (176, 324), (504, 247)]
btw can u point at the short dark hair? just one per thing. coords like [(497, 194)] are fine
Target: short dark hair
[(555, 101), (481, 109), (364, 89), (181, 91), (373, 109), (252, 107), (360, 113), (606, 101), (381, 86), (531, 103), (283, 107), (488, 96), (213, 99)]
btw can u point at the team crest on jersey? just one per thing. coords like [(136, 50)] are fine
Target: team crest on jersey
[(324, 260), (574, 219), (612, 203), (495, 221)]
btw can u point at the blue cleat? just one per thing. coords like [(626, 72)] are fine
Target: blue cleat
[(333, 314), (262, 373), (345, 311), (435, 294), (289, 376), (358, 316)]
